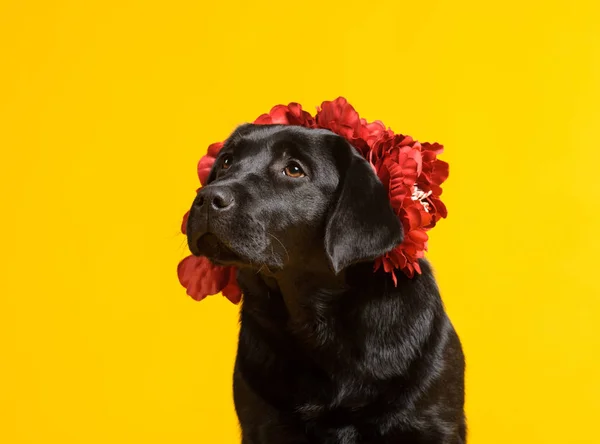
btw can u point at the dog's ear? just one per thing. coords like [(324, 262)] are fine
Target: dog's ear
[(362, 225)]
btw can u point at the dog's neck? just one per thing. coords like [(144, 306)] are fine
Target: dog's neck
[(306, 293), (298, 301)]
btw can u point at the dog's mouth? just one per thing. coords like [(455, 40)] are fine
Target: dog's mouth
[(212, 247)]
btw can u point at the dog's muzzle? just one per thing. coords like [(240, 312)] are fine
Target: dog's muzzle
[(211, 203)]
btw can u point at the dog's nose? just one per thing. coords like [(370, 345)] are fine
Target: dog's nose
[(217, 198), (221, 199)]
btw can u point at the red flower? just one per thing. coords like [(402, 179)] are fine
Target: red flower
[(201, 278), (206, 163), (410, 171), (435, 172), (340, 117), (232, 291), (374, 131), (184, 222), (398, 166), (287, 115)]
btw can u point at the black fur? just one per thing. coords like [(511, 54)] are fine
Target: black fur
[(329, 351)]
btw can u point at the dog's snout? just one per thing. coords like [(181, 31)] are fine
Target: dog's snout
[(217, 198)]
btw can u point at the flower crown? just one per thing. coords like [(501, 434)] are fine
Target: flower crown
[(409, 170)]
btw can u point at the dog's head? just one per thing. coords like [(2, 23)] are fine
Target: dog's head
[(285, 196)]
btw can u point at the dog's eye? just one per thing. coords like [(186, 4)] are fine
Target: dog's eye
[(294, 170), (227, 161)]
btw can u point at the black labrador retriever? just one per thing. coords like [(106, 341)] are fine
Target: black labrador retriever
[(330, 352)]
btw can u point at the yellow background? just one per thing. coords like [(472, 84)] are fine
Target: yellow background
[(105, 107)]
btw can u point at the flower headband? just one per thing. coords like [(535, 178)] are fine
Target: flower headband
[(409, 170)]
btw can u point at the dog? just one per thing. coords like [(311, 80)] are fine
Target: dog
[(330, 351)]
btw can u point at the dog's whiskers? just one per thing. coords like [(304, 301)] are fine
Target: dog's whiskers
[(183, 247), (265, 266), (282, 246)]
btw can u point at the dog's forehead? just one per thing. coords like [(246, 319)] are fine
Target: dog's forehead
[(255, 139)]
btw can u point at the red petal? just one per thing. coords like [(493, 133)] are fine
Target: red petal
[(371, 132), (214, 149), (398, 188), (440, 172), (388, 266), (407, 140), (418, 236), (204, 167), (232, 291), (377, 264), (409, 270), (263, 119), (440, 208), (436, 148), (297, 116), (279, 114), (200, 277), (413, 215), (184, 222), (340, 117), (417, 267)]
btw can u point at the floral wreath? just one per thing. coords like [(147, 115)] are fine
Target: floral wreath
[(409, 170)]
